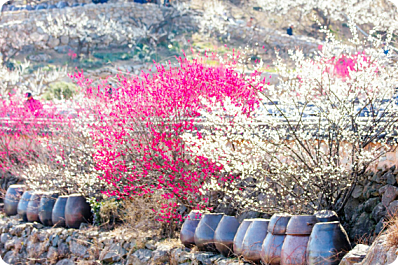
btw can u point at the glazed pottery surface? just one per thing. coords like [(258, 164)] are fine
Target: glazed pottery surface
[(254, 239), (272, 245), (46, 207), (225, 234), (326, 216), (77, 211), (188, 228), (297, 235), (272, 248), (278, 223), (58, 213), (301, 225), (23, 205), (294, 250), (32, 211), (240, 235), (11, 200), (204, 233), (327, 244)]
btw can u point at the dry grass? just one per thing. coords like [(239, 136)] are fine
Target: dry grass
[(391, 227)]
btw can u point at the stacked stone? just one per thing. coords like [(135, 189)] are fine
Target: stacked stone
[(374, 198)]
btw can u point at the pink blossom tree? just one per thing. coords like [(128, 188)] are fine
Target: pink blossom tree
[(139, 149)]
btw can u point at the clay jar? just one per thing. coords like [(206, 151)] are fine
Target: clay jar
[(23, 205), (77, 211), (297, 235), (204, 233), (32, 211), (225, 234), (11, 200), (58, 213), (240, 235), (273, 242), (188, 229), (46, 207), (326, 216), (328, 244), (254, 238)]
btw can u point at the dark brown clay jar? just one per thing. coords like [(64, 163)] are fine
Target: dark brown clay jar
[(225, 234), (11, 200), (77, 211), (204, 233), (254, 239), (23, 205), (46, 207), (326, 216), (328, 244), (297, 235), (32, 211), (188, 228), (273, 242), (240, 235), (58, 213)]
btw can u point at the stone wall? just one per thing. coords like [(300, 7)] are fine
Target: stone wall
[(372, 201), (31, 243)]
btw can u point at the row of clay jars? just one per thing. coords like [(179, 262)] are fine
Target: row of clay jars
[(48, 208), (252, 241), (209, 232)]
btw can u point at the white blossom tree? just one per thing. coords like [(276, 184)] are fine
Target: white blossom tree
[(313, 137), (379, 12)]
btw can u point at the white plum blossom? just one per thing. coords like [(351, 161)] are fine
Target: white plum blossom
[(312, 137)]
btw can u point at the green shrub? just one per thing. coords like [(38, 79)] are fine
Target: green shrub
[(60, 90)]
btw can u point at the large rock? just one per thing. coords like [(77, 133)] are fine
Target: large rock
[(144, 255), (248, 215), (63, 249), (389, 193), (350, 208), (65, 262), (356, 255), (53, 42), (380, 253), (113, 253), (64, 40), (78, 249), (378, 212), (392, 208), (363, 226), (161, 254), (379, 227), (370, 204), (357, 192), (11, 257)]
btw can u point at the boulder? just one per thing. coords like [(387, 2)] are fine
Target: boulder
[(161, 254), (379, 227), (363, 226), (356, 255), (350, 208), (357, 192), (370, 204), (113, 253), (144, 255), (389, 193), (65, 262), (78, 249), (377, 254), (392, 208), (378, 212)]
